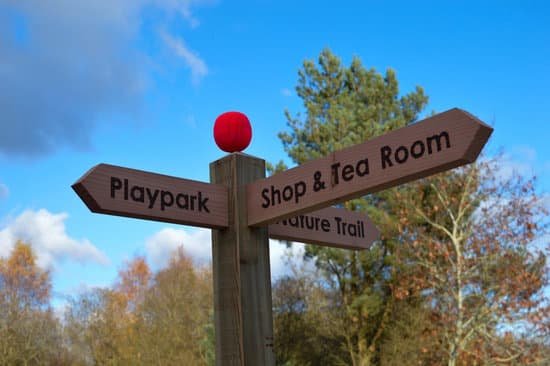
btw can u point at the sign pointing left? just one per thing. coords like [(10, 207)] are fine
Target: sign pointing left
[(119, 191)]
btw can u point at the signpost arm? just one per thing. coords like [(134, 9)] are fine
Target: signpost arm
[(242, 281)]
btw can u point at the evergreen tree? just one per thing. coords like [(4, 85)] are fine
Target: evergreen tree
[(345, 106)]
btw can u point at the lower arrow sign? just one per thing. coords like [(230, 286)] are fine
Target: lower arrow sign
[(333, 227)]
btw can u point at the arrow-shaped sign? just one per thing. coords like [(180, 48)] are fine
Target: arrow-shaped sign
[(442, 142), (334, 227), (128, 192)]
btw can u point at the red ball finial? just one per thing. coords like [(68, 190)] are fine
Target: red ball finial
[(232, 131)]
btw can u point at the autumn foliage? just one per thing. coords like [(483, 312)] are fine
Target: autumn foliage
[(29, 332), (145, 318), (470, 253)]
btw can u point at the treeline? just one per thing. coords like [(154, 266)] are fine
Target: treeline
[(143, 319), (327, 314)]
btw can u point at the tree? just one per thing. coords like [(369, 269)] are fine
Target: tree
[(101, 324), (345, 106), (91, 328), (24, 285), (409, 337), (176, 325), (29, 333), (469, 239), (133, 282), (145, 319), (306, 322)]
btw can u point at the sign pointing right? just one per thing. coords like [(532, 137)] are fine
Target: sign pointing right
[(438, 143), (333, 227)]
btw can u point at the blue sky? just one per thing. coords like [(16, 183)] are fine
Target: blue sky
[(139, 83)]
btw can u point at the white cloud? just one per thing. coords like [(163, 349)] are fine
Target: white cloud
[(160, 246), (66, 63), (520, 160), (546, 200), (283, 259), (191, 121), (198, 244), (286, 92), (191, 58), (46, 233), (183, 7), (4, 191)]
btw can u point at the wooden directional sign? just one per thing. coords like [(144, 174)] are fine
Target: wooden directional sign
[(444, 141), (128, 192), (242, 284), (334, 227)]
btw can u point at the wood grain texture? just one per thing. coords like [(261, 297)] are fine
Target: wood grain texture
[(242, 280), (119, 191), (333, 227), (442, 142)]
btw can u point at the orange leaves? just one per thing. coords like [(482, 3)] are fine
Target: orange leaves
[(21, 281), (28, 330), (146, 318), (133, 281), (401, 293), (468, 236)]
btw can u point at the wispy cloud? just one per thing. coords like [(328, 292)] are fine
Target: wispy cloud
[(185, 10), (546, 201), (285, 92), (4, 191), (191, 121), (191, 59), (66, 63), (46, 232), (184, 7), (520, 160)]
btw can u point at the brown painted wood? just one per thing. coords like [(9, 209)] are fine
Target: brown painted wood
[(119, 191), (444, 141), (242, 282), (333, 227)]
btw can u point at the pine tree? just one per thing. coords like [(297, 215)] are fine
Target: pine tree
[(345, 106)]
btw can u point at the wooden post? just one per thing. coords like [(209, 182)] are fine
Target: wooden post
[(242, 280)]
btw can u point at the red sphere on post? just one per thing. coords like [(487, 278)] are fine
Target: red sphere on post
[(232, 131)]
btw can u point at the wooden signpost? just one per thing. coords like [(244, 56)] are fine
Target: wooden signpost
[(244, 208)]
